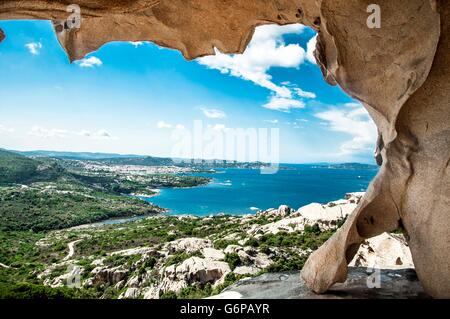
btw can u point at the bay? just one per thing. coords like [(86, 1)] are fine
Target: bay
[(243, 191)]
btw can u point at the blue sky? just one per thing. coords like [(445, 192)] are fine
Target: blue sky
[(130, 97)]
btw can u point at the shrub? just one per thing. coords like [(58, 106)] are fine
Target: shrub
[(252, 242), (233, 260), (223, 243), (168, 295), (33, 291)]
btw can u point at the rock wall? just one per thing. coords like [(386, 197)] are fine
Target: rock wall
[(400, 72)]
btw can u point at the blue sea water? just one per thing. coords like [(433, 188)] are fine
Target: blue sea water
[(242, 191)]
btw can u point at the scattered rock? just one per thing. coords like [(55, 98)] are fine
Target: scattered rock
[(200, 270), (188, 245), (152, 292), (109, 276), (130, 293), (232, 249), (246, 270), (211, 253), (284, 210)]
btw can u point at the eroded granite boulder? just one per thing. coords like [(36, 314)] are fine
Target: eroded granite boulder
[(392, 284)]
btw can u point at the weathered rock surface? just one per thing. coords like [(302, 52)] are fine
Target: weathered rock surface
[(108, 275), (188, 245), (211, 253), (145, 272), (393, 284), (384, 251), (130, 293), (200, 270), (400, 72)]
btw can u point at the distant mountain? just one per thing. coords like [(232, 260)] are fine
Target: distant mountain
[(130, 159), (118, 159), (347, 166), (74, 155)]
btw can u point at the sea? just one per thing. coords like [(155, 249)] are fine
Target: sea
[(244, 191)]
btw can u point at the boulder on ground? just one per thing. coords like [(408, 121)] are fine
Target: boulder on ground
[(386, 251), (212, 253), (188, 245), (199, 270)]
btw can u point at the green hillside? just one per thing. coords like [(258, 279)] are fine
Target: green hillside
[(18, 169)]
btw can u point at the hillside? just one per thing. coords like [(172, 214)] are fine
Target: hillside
[(46, 193), (73, 155), (181, 256), (141, 161), (18, 169)]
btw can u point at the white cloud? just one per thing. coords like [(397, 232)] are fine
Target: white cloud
[(34, 47), (4, 129), (213, 113), (353, 104), (179, 127), (309, 95), (163, 124), (102, 134), (272, 121), (354, 122), (136, 43), (283, 104), (266, 50), (84, 133), (40, 131), (310, 47), (90, 62)]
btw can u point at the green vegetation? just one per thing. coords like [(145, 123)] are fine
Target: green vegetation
[(17, 169), (311, 238), (33, 291), (198, 291), (233, 260), (28, 254), (41, 198), (47, 206), (287, 263), (45, 193)]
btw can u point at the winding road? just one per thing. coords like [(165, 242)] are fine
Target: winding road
[(71, 247)]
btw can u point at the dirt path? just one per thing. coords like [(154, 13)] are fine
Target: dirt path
[(71, 247)]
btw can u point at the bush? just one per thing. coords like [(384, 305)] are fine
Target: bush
[(168, 295), (33, 291), (195, 291), (252, 242), (224, 243), (294, 262), (233, 260)]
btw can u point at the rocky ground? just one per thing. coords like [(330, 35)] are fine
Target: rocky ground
[(361, 283), (199, 257)]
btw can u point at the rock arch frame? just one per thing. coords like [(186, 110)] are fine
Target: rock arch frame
[(400, 72)]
